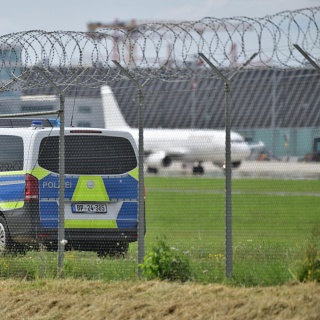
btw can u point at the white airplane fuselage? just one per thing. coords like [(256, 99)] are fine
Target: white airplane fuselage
[(193, 145)]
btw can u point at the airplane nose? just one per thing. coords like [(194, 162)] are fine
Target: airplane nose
[(240, 151)]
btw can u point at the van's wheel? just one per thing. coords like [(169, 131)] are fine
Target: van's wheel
[(6, 244), (114, 250), (4, 236)]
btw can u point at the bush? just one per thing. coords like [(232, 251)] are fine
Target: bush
[(166, 263), (310, 268)]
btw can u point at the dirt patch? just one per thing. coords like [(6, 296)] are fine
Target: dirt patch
[(75, 299)]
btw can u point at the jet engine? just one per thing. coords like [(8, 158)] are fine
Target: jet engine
[(156, 160)]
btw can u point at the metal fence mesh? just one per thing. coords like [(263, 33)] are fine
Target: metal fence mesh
[(275, 146)]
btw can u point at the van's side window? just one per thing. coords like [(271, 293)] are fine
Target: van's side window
[(11, 153), (89, 155)]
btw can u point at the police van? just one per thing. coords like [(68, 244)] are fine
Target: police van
[(101, 187)]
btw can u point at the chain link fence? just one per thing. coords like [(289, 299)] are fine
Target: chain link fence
[(148, 150)]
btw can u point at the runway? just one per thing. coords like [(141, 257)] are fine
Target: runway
[(252, 169)]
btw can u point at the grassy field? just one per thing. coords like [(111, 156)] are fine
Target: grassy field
[(272, 223), (263, 210)]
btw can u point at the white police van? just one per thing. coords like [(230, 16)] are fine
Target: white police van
[(101, 187)]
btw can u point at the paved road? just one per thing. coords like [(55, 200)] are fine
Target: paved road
[(294, 170)]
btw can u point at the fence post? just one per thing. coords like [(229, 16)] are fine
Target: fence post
[(228, 164), (307, 57), (141, 210)]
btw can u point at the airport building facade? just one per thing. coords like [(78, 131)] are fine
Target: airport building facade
[(279, 107)]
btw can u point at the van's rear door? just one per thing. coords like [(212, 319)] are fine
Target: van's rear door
[(101, 180)]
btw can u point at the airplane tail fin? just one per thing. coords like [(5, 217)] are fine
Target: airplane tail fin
[(113, 118)]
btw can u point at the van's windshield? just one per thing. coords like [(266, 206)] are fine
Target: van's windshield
[(88, 154)]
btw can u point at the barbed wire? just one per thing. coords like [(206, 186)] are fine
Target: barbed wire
[(165, 50)]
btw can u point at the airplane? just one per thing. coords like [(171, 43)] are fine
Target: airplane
[(189, 146)]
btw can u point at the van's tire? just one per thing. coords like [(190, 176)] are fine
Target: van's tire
[(4, 237), (17, 248), (6, 244), (51, 247), (113, 250)]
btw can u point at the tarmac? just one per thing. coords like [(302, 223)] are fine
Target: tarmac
[(280, 169), (252, 169)]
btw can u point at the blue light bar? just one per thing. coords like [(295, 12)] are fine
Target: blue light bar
[(36, 123), (54, 122)]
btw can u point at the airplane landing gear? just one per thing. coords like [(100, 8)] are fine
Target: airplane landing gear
[(198, 169), (152, 170)]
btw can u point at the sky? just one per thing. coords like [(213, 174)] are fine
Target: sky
[(74, 15)]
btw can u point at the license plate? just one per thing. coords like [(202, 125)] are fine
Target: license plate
[(89, 208)]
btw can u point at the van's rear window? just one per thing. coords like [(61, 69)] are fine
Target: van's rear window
[(88, 154), (11, 153)]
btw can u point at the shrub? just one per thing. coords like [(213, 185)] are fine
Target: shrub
[(310, 268), (166, 263)]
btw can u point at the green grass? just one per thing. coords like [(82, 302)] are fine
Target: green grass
[(272, 223), (189, 209)]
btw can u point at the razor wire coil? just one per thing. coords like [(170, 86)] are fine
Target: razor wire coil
[(159, 50)]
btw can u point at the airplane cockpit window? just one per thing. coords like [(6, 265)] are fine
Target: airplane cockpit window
[(236, 141)]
